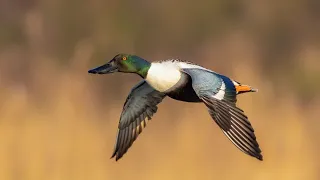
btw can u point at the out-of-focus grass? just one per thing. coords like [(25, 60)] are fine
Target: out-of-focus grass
[(67, 136)]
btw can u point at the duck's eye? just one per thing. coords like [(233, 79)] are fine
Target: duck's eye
[(124, 58)]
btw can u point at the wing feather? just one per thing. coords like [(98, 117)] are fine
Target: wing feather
[(234, 124), (223, 110), (141, 104)]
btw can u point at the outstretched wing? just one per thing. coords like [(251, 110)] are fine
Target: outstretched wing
[(219, 95), (140, 104)]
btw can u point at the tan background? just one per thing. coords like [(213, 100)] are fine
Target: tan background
[(59, 123)]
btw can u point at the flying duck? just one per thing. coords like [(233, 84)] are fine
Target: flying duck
[(183, 81)]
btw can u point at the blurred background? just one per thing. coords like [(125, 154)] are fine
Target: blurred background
[(57, 122)]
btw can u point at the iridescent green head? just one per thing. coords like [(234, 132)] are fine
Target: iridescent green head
[(124, 63)]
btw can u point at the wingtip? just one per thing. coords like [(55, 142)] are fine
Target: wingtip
[(259, 157), (116, 156), (113, 154)]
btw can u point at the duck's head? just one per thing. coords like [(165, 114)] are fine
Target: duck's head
[(124, 63)]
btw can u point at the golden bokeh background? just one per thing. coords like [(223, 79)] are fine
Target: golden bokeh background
[(57, 122)]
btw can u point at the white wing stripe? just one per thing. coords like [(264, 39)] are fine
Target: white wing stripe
[(221, 92)]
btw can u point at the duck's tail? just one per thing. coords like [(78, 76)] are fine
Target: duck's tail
[(241, 88)]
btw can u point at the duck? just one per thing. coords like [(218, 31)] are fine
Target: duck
[(183, 81)]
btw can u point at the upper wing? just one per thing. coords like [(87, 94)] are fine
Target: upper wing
[(141, 103), (220, 97)]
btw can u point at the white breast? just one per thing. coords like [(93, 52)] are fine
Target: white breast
[(162, 76)]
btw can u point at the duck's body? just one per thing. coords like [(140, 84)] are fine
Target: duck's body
[(183, 91), (183, 81), (168, 77)]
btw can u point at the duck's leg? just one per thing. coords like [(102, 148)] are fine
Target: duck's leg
[(241, 88)]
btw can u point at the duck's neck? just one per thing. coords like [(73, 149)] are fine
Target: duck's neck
[(144, 67)]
